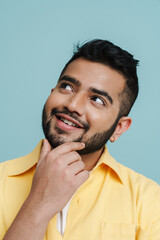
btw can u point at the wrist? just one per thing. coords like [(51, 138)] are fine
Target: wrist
[(40, 212)]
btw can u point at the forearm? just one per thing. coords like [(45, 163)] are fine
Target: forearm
[(30, 223)]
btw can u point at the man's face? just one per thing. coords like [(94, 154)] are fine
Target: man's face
[(84, 105)]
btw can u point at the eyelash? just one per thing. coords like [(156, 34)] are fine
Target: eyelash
[(63, 85), (92, 98)]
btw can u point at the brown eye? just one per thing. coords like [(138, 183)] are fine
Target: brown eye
[(66, 86), (98, 100)]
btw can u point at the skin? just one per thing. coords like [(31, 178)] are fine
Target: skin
[(61, 170), (100, 116)]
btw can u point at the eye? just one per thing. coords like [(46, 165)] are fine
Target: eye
[(98, 100), (66, 86)]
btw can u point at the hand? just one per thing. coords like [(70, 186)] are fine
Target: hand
[(58, 174)]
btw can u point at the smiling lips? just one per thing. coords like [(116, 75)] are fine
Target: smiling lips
[(67, 123)]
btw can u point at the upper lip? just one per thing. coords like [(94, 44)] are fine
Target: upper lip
[(70, 119)]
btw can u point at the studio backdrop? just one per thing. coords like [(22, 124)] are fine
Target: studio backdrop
[(36, 40)]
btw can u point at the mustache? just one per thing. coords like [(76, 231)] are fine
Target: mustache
[(70, 114)]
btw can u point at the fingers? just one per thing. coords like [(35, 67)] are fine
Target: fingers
[(82, 177), (76, 167), (68, 158), (68, 147), (46, 148), (64, 154)]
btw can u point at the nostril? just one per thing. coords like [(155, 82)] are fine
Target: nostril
[(76, 104)]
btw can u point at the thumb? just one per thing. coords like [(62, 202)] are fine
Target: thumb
[(46, 148)]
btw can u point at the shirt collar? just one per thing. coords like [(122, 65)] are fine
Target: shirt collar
[(23, 164), (109, 161)]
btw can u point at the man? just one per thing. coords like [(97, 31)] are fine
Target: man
[(69, 187)]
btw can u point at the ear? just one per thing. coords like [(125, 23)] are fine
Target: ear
[(122, 126), (52, 90)]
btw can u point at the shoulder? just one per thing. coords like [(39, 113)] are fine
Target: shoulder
[(22, 164), (6, 166), (134, 179), (145, 194)]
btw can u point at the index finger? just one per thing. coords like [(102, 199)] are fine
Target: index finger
[(68, 147)]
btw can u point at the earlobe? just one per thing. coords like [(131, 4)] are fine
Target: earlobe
[(112, 139), (122, 126)]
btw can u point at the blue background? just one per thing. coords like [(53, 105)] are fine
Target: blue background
[(36, 40)]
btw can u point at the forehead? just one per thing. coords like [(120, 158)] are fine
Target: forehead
[(96, 75)]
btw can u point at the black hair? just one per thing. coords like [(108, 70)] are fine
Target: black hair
[(105, 52)]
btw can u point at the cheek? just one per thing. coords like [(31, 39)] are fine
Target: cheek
[(100, 121), (54, 101), (96, 119)]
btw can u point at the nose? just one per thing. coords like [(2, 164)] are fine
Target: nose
[(77, 103)]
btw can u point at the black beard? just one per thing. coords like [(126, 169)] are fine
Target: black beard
[(93, 144)]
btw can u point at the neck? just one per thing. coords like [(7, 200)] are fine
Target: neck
[(91, 159)]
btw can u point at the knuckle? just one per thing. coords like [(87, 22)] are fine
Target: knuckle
[(86, 174), (66, 173), (72, 183), (68, 144), (58, 162), (76, 155), (82, 164)]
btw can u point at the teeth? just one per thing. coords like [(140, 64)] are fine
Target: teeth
[(68, 122)]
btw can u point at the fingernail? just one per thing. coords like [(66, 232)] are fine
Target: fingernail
[(83, 144)]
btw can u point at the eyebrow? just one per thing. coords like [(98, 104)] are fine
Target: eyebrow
[(103, 93), (70, 79), (77, 83)]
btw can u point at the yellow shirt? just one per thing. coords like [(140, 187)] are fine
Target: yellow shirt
[(115, 203)]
